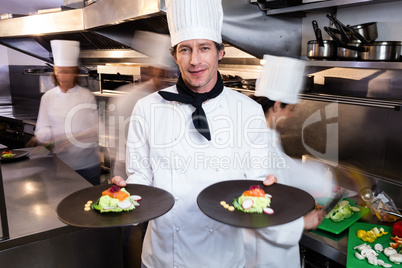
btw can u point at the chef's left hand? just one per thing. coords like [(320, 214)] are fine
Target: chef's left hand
[(313, 219)]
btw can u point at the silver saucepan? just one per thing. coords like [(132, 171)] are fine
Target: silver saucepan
[(382, 51), (317, 52), (367, 30)]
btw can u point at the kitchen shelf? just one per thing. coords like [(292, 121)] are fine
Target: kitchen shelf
[(356, 64), (323, 6)]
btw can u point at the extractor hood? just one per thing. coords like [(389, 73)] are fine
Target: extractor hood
[(106, 29)]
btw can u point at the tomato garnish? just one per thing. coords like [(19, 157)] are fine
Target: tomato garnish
[(255, 191)]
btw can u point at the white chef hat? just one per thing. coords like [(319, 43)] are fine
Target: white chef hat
[(65, 52), (155, 46), (281, 79), (194, 19)]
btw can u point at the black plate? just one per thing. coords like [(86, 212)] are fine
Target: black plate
[(154, 203), (19, 155), (288, 203)]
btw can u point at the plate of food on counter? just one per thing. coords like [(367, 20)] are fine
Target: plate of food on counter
[(374, 245), (251, 204), (342, 216), (13, 155), (108, 205)]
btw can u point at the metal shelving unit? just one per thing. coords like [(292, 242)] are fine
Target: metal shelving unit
[(323, 6), (382, 65)]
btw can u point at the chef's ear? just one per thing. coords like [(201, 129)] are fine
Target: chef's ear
[(277, 106)]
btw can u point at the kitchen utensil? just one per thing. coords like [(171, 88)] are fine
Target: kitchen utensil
[(343, 29), (392, 213), (353, 241), (339, 195), (318, 34), (367, 30), (382, 51), (288, 203), (316, 52), (154, 203)]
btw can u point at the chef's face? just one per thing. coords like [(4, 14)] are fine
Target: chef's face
[(198, 63), (66, 76), (281, 114)]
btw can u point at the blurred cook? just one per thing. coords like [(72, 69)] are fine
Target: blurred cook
[(277, 89), (68, 116)]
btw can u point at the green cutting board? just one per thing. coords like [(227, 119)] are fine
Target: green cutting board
[(338, 227), (353, 240)]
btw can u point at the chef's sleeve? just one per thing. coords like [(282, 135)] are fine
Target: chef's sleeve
[(138, 165), (43, 130)]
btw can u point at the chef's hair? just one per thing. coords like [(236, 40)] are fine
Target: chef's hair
[(219, 47), (266, 103)]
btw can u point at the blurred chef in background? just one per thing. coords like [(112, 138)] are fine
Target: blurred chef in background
[(159, 62), (68, 115), (277, 88)]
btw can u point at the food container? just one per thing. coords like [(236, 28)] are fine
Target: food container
[(326, 52), (382, 51)]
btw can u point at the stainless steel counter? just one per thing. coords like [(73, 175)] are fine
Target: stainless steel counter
[(33, 188)]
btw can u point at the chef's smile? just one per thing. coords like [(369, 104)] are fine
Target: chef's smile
[(197, 58)]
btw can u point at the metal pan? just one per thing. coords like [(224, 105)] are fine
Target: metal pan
[(382, 51), (326, 52), (367, 30)]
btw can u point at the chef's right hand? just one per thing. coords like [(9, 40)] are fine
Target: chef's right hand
[(119, 181), (269, 180)]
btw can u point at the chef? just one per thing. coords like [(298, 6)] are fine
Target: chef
[(68, 116), (191, 135), (277, 89)]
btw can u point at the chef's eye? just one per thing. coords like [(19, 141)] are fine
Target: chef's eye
[(184, 50), (205, 48)]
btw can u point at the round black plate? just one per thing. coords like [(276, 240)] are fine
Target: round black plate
[(154, 203), (19, 155), (288, 203)]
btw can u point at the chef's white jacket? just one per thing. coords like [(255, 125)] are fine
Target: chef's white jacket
[(278, 246), (70, 121), (166, 151)]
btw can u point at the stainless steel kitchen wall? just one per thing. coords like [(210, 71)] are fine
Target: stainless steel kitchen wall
[(365, 138)]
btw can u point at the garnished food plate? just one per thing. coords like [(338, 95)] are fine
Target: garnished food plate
[(17, 155), (154, 203), (353, 241), (288, 203)]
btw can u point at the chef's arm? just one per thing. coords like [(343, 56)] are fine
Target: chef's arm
[(43, 131)]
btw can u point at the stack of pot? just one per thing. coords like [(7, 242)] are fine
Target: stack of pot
[(358, 42)]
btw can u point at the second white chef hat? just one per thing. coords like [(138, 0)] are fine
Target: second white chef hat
[(65, 53), (281, 79), (194, 19)]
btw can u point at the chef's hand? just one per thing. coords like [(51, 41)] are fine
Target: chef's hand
[(313, 219), (270, 179), (119, 181)]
